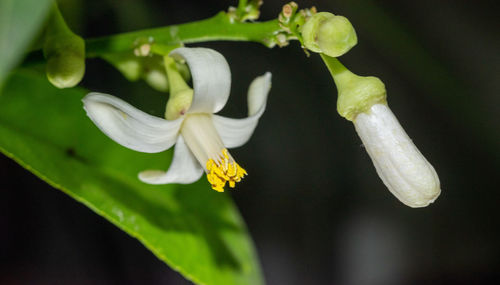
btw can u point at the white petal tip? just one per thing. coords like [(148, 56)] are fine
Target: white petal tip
[(211, 78), (422, 202), (257, 93), (152, 176)]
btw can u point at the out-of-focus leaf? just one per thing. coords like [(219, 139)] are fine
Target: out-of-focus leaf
[(191, 227), (20, 20)]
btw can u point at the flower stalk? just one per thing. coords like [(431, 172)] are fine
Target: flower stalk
[(181, 95)]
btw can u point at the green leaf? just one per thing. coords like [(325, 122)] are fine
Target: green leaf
[(20, 20), (194, 229)]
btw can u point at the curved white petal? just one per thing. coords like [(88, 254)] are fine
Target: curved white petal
[(184, 168), (236, 132), (400, 165), (211, 78), (129, 126), (257, 93)]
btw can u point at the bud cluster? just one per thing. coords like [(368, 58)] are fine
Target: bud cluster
[(290, 20), (245, 11), (146, 62)]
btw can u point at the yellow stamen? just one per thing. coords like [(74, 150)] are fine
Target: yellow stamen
[(225, 169)]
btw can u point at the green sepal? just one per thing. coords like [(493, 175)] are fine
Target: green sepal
[(356, 94)]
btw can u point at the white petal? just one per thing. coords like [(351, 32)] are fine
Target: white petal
[(129, 126), (400, 165), (257, 93), (236, 132), (200, 135), (184, 168), (211, 78)]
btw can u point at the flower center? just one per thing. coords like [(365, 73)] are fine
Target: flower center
[(223, 170), (202, 138)]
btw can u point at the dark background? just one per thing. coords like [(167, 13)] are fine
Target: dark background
[(313, 203)]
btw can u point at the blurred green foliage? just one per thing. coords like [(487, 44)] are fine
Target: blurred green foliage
[(20, 20)]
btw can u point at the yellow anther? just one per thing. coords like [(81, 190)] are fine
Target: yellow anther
[(224, 169)]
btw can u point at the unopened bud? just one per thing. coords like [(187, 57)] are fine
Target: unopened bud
[(129, 65), (65, 56), (64, 52), (329, 34), (157, 79), (287, 10), (400, 165), (143, 50)]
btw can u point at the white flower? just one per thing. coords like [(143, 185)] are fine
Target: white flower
[(200, 137), (400, 165)]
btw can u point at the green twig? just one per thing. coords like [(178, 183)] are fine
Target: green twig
[(215, 28), (242, 4)]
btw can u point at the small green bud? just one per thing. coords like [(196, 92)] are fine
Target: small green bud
[(329, 34), (153, 72), (65, 56), (356, 94), (127, 63), (245, 11), (157, 79), (149, 68), (64, 51)]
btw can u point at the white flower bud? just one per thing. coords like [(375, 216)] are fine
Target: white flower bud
[(400, 165)]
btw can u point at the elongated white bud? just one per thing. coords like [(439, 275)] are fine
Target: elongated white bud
[(400, 165)]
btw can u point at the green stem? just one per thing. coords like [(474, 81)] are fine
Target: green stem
[(181, 95), (215, 28), (336, 68), (56, 24), (242, 4), (175, 80)]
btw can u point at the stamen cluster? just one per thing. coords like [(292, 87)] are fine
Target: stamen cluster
[(224, 169)]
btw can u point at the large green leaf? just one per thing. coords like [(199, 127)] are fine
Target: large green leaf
[(20, 20), (193, 229)]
